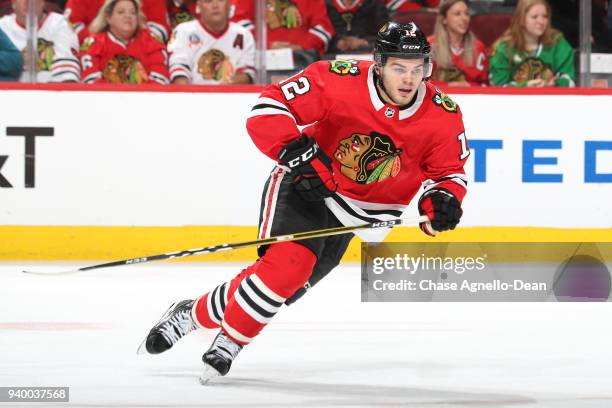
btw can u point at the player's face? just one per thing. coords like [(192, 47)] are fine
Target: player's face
[(536, 20), (402, 78), (457, 19), (20, 7), (214, 12), (350, 150), (123, 20)]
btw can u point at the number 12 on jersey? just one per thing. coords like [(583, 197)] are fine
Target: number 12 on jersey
[(295, 88), (465, 152)]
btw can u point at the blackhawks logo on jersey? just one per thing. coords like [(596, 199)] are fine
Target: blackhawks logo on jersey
[(46, 54), (180, 17), (344, 67), (282, 13), (87, 43), (445, 102), (533, 68), (124, 69), (368, 158), (214, 64)]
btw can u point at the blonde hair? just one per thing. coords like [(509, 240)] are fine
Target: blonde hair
[(99, 24), (514, 35), (441, 48)]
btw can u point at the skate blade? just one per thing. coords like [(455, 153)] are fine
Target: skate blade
[(208, 374), (142, 349)]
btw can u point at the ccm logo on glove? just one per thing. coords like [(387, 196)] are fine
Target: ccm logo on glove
[(311, 169)]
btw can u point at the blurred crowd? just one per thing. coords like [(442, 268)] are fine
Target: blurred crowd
[(527, 43)]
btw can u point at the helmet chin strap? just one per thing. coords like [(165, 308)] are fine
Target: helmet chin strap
[(380, 84)]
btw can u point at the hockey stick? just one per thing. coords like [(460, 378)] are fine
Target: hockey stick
[(265, 241)]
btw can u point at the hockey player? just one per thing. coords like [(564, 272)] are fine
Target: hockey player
[(212, 50), (57, 46), (379, 132)]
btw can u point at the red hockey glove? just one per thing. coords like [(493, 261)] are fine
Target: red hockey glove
[(443, 210), (311, 169)]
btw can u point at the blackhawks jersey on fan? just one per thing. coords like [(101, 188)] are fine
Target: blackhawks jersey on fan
[(381, 154), (301, 22), (512, 67), (206, 58), (396, 6), (181, 11), (105, 58), (57, 47), (81, 13), (476, 73)]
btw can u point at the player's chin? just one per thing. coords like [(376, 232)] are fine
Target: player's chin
[(403, 96)]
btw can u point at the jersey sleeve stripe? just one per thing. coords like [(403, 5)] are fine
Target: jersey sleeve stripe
[(158, 29), (271, 111), (65, 76), (159, 78), (92, 77), (248, 24), (321, 34)]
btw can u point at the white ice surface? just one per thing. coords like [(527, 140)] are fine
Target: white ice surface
[(327, 350)]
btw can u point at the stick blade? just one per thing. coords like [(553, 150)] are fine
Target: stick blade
[(51, 273)]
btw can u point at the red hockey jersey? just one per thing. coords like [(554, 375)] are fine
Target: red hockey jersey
[(181, 11), (81, 13), (398, 6), (105, 58), (475, 73), (301, 22), (381, 155)]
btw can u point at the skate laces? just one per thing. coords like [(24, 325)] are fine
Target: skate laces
[(177, 326), (226, 347)]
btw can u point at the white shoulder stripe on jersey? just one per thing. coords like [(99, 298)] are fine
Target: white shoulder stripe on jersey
[(270, 111)]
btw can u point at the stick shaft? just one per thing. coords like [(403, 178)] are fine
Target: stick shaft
[(265, 241)]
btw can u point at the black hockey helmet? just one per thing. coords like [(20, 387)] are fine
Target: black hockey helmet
[(402, 41)]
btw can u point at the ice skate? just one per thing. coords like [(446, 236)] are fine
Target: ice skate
[(219, 357), (172, 326)]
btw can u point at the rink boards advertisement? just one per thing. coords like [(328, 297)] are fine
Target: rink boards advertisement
[(100, 174)]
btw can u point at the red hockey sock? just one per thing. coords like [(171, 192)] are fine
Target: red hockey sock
[(258, 294)]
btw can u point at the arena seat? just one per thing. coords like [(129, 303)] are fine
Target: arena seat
[(489, 27)]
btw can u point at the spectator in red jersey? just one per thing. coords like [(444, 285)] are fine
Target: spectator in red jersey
[(295, 24), (120, 49), (181, 11), (355, 23), (400, 6), (460, 59), (81, 13)]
